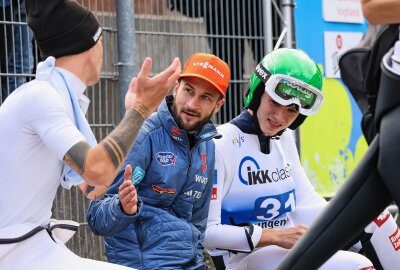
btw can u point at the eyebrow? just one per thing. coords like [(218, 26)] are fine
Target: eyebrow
[(205, 93)]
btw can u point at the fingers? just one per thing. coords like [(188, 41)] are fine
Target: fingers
[(128, 197), (302, 228), (145, 69), (171, 74), (128, 172), (168, 76)]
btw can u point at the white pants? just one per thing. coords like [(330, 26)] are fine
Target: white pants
[(269, 258), (40, 252)]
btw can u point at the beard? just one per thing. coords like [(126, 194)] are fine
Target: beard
[(190, 128)]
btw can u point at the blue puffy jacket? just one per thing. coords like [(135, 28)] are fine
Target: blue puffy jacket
[(174, 191)]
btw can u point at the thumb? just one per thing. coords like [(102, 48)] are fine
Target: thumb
[(128, 172)]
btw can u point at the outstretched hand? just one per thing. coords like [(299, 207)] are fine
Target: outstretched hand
[(127, 193), (145, 93), (285, 238)]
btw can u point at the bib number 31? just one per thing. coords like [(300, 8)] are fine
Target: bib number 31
[(271, 207)]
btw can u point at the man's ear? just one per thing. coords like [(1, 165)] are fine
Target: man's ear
[(219, 105)]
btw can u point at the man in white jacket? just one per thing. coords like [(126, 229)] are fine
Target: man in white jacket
[(45, 139)]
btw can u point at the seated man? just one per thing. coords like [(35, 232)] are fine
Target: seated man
[(173, 161), (263, 199)]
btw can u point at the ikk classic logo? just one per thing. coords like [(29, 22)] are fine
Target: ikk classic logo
[(254, 175)]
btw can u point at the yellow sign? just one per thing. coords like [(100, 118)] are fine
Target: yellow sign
[(330, 148)]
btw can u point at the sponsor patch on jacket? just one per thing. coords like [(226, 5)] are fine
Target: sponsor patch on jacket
[(166, 158), (204, 159), (175, 131), (395, 239), (137, 175), (214, 188), (383, 217), (206, 135), (161, 190)]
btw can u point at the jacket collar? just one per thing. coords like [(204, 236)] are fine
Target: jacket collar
[(248, 123)]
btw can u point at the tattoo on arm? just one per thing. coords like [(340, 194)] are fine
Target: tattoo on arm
[(121, 139), (88, 190), (140, 108), (76, 156)]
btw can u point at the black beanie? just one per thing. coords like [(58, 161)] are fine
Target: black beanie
[(62, 27)]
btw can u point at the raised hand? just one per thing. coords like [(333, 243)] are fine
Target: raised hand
[(127, 193), (285, 238), (145, 93)]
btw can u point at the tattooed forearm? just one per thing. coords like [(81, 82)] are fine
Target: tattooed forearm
[(121, 139), (114, 149), (140, 108), (76, 156)]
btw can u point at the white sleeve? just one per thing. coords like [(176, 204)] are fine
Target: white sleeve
[(221, 236), (385, 240), (309, 203), (48, 118)]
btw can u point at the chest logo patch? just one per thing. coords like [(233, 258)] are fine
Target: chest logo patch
[(166, 158), (250, 173)]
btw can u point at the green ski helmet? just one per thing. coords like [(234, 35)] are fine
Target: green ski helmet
[(293, 64)]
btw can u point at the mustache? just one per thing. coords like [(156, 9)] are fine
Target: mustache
[(190, 111)]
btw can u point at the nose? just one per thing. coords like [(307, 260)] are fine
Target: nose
[(280, 113), (193, 102)]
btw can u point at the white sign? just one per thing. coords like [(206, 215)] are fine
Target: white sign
[(335, 44), (348, 11)]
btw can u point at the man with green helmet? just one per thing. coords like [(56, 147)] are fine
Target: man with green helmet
[(262, 200)]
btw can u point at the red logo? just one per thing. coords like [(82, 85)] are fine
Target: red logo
[(368, 268), (204, 159), (339, 41), (214, 189), (176, 131), (214, 193), (395, 239), (204, 166), (379, 221)]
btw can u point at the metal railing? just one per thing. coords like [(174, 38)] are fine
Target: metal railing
[(238, 31)]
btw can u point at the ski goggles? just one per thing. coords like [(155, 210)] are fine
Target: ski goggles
[(287, 90)]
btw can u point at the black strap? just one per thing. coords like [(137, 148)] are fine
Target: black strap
[(249, 233), (218, 262), (23, 237), (34, 231), (369, 251)]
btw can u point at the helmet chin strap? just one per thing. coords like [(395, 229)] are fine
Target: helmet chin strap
[(297, 122)]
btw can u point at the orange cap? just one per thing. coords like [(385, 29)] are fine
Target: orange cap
[(210, 68)]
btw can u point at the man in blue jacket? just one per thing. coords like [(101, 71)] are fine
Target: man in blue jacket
[(162, 225)]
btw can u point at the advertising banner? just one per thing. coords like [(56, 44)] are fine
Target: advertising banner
[(331, 142)]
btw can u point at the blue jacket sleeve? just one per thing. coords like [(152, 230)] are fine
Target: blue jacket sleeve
[(106, 216)]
